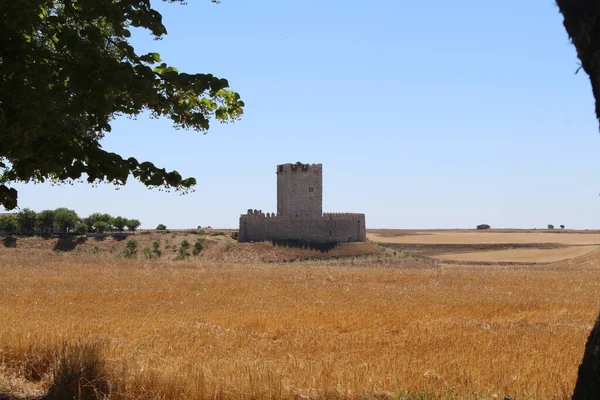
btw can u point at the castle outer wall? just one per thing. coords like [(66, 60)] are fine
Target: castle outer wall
[(328, 228)]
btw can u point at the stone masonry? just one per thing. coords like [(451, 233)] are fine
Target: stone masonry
[(300, 214)]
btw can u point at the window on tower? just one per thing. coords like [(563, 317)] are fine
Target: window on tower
[(310, 189)]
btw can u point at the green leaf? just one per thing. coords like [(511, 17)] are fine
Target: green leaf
[(76, 71)]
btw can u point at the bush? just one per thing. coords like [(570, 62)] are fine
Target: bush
[(155, 250), (161, 227), (81, 229), (483, 226), (198, 247), (218, 233), (131, 249), (147, 252), (183, 248)]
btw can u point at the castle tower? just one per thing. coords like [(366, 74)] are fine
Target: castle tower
[(300, 189)]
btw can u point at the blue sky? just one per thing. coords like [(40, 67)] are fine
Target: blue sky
[(424, 114)]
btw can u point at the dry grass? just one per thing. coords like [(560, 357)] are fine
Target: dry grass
[(483, 237), (216, 248), (521, 255), (342, 329)]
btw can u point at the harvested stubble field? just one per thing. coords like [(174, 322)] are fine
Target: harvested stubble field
[(375, 327), (491, 246), (485, 236), (521, 255)]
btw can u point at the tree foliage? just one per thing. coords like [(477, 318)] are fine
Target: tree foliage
[(94, 218), (45, 221), (65, 219), (67, 69), (132, 224), (27, 221), (9, 224), (81, 228), (119, 223), (102, 226)]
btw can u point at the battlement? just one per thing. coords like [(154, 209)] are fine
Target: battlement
[(259, 214), (299, 168)]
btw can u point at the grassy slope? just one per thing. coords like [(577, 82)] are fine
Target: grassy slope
[(218, 248)]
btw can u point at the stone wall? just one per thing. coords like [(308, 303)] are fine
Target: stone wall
[(300, 189), (256, 226)]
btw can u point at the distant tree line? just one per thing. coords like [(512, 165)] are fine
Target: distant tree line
[(63, 221)]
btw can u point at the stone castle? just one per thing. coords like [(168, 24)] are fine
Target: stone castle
[(300, 214)]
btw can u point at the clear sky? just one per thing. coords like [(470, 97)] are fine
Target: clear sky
[(425, 114)]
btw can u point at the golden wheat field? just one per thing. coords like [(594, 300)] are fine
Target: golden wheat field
[(369, 327)]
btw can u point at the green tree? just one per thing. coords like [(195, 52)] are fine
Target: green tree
[(67, 69), (119, 223), (550, 226), (161, 227), (45, 221), (65, 219), (27, 219), (102, 226), (92, 219), (562, 227), (9, 225), (81, 228), (132, 224)]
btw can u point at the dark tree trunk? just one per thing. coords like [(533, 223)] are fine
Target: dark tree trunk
[(588, 378), (582, 22)]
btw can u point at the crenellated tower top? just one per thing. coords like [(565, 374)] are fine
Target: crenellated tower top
[(300, 189)]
